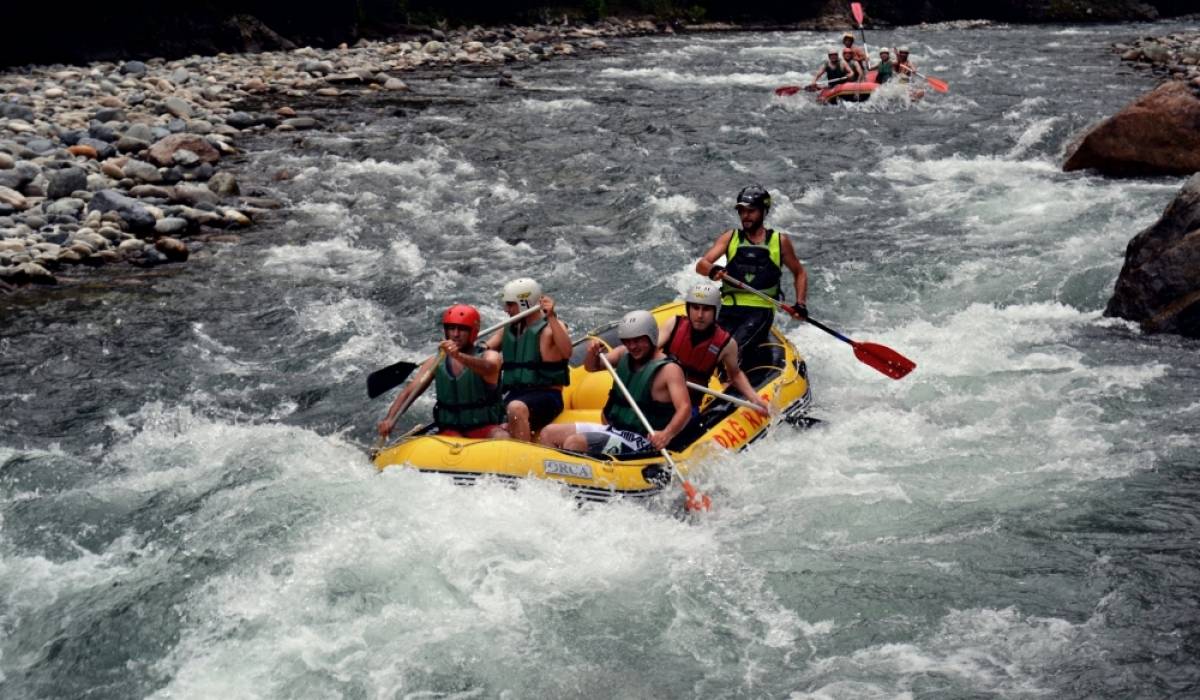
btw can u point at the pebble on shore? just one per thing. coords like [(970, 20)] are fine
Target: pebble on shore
[(114, 162)]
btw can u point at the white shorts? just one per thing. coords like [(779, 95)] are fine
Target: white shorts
[(604, 439)]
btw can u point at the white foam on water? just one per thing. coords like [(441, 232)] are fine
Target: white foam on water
[(337, 259), (555, 106), (973, 651), (409, 584), (748, 130), (676, 205), (674, 78), (368, 330)]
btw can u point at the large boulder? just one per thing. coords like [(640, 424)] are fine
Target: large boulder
[(1157, 134), (1159, 285)]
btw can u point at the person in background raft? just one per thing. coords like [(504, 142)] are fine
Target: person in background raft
[(656, 383), (857, 73), (834, 69), (535, 351), (756, 256), (904, 67), (859, 53), (699, 345), (886, 69), (466, 381)]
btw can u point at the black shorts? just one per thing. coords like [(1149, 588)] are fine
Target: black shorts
[(544, 405)]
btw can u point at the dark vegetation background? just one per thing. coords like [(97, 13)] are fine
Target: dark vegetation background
[(50, 32)]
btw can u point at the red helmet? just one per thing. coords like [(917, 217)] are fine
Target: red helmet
[(463, 315)]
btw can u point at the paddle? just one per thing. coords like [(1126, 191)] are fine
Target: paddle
[(880, 357), (725, 397), (856, 9), (695, 500), (787, 90), (938, 85), (381, 380)]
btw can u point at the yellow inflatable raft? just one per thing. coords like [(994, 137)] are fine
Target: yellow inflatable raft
[(779, 376)]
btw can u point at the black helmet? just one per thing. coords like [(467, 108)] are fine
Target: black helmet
[(754, 196)]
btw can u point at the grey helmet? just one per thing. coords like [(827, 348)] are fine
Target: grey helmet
[(754, 196), (635, 324), (706, 294), (523, 292)]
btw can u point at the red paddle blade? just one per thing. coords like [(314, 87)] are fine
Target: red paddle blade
[(884, 359), (785, 90), (939, 85), (696, 501), (857, 11)]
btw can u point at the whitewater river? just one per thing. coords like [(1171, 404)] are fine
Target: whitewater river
[(187, 510)]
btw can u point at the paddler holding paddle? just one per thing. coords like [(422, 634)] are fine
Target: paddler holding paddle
[(535, 351), (700, 345), (834, 69), (466, 379), (756, 256), (656, 386)]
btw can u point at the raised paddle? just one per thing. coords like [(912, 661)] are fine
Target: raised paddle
[(856, 9), (382, 380), (880, 357), (695, 500)]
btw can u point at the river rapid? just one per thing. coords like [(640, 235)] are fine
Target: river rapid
[(187, 509)]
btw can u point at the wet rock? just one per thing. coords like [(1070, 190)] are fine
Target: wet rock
[(171, 226), (66, 207), (141, 171), (300, 123), (103, 149), (163, 151), (1157, 134), (174, 249), (7, 162), (193, 194), (224, 184), (27, 273), (81, 150), (130, 211), (242, 120), (110, 114), (13, 199), (1159, 284), (133, 68), (129, 144), (65, 181)]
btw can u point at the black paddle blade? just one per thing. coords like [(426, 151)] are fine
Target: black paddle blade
[(884, 359), (381, 380)]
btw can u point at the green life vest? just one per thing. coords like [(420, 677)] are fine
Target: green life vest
[(883, 72), (466, 401), (523, 365), (617, 411), (755, 264), (835, 71)]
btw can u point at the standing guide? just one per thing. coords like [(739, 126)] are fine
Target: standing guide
[(756, 256)]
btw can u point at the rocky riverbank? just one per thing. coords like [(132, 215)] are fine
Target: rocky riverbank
[(1174, 56), (127, 162)]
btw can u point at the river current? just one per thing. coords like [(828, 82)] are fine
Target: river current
[(187, 509)]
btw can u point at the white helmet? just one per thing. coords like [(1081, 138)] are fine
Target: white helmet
[(705, 293), (523, 292), (635, 324), (902, 49)]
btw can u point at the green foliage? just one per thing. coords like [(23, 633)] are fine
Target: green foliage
[(595, 9)]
